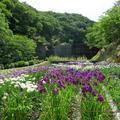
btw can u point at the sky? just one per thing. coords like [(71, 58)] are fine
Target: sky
[(92, 9)]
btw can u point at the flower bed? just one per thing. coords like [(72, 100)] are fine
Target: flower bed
[(48, 93)]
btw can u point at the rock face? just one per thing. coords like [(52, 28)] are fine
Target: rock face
[(110, 54)]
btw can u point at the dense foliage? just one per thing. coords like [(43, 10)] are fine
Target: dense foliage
[(19, 23), (14, 47), (107, 30)]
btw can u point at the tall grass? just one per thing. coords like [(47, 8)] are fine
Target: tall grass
[(113, 83), (52, 59), (92, 110), (57, 107)]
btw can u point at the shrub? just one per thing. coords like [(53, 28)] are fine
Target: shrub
[(16, 48), (31, 62), (20, 64)]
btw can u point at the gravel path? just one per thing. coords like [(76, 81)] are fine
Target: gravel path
[(75, 108), (113, 106)]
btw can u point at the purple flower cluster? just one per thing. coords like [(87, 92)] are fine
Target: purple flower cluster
[(100, 98), (58, 78), (18, 72)]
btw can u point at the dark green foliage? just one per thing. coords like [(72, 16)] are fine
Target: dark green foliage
[(72, 30), (73, 26), (23, 27), (20, 64)]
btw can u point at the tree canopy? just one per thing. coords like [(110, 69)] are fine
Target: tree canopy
[(21, 25), (107, 30)]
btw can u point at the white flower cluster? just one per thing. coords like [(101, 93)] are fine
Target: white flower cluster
[(1, 81), (99, 65), (88, 65), (80, 66), (22, 83)]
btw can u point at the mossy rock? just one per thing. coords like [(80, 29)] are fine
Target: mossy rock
[(110, 53)]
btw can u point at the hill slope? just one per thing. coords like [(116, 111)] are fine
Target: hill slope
[(38, 30)]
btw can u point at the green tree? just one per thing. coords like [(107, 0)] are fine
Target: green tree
[(14, 47), (24, 48), (107, 30)]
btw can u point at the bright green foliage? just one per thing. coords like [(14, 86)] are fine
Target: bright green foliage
[(113, 79), (24, 47), (13, 47), (19, 105), (16, 48), (5, 37), (107, 30), (4, 28)]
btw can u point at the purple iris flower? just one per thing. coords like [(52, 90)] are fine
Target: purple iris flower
[(41, 88), (100, 98)]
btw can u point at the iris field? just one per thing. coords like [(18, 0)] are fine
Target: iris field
[(49, 93)]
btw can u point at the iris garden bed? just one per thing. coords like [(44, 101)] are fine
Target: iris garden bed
[(48, 93)]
